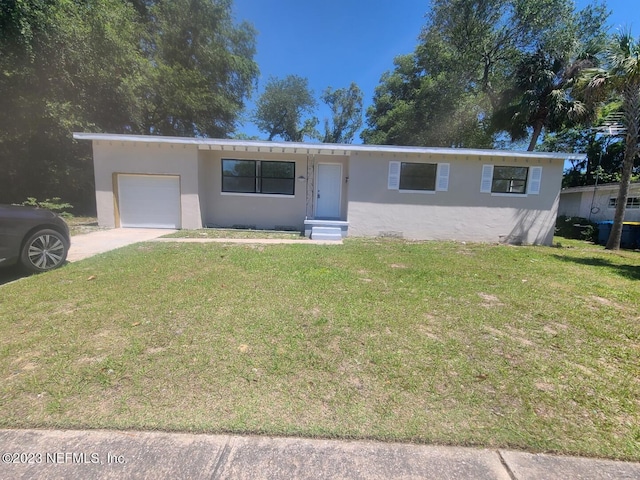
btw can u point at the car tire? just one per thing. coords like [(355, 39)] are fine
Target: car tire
[(44, 250)]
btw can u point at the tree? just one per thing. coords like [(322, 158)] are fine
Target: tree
[(64, 66), (411, 107), (620, 76), (281, 108), (203, 68), (346, 110), (132, 66), (540, 97), (446, 92)]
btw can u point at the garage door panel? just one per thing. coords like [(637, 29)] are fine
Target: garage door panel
[(149, 201)]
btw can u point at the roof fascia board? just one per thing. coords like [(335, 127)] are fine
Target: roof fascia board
[(601, 186), (323, 148)]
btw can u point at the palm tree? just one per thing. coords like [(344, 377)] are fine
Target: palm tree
[(621, 76), (541, 97)]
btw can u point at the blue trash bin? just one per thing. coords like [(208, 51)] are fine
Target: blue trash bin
[(604, 230), (631, 235)]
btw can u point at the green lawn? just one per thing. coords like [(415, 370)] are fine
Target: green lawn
[(82, 225), (234, 233), (524, 347)]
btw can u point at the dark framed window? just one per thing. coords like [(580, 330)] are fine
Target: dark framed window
[(258, 176), (509, 179), (632, 202), (418, 176)]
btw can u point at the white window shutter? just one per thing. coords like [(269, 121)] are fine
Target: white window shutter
[(487, 178), (535, 179), (442, 182), (394, 176)]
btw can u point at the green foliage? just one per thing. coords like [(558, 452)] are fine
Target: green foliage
[(412, 107), (202, 68), (147, 66), (281, 109), (54, 204), (346, 109), (533, 348), (620, 77), (447, 92), (577, 228)]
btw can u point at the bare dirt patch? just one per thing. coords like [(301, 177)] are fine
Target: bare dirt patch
[(489, 301)]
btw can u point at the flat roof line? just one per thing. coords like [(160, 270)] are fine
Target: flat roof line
[(328, 148)]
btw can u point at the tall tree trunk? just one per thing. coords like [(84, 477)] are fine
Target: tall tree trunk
[(537, 130), (631, 108)]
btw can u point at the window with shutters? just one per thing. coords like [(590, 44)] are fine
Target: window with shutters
[(418, 177), (511, 180)]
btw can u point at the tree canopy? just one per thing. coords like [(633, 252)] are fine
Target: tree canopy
[(171, 67), (447, 91), (620, 76), (284, 107), (346, 114)]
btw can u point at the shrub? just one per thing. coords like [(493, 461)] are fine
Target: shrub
[(576, 227), (54, 204)]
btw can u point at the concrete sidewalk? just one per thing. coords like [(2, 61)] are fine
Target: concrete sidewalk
[(96, 454), (90, 244)]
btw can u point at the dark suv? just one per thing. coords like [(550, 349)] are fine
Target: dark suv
[(36, 238)]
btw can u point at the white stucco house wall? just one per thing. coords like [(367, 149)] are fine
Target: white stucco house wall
[(597, 203), (356, 190)]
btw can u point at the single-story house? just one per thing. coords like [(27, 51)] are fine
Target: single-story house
[(597, 203), (327, 190)]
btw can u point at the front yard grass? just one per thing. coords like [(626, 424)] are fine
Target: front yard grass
[(82, 225), (533, 348), (234, 233)]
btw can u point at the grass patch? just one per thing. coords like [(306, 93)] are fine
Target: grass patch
[(233, 233), (82, 225), (521, 347)]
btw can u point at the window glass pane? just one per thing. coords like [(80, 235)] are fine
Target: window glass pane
[(277, 169), (239, 168), (517, 186), (239, 184), (418, 176), (239, 176), (509, 179), (508, 173), (633, 202), (500, 186), (613, 202), (278, 185)]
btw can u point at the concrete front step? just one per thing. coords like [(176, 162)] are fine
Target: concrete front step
[(313, 224), (326, 233)]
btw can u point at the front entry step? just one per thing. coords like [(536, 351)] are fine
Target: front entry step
[(317, 229), (326, 233)]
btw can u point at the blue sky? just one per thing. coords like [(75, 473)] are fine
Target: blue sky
[(336, 42)]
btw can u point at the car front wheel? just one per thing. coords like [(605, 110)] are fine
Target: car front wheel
[(44, 250)]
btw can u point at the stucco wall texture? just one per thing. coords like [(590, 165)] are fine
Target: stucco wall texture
[(460, 213), (371, 208), (593, 204)]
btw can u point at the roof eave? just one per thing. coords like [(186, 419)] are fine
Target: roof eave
[(321, 148)]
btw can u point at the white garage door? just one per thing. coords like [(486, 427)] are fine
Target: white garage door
[(149, 201)]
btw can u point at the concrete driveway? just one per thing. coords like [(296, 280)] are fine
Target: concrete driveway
[(89, 244)]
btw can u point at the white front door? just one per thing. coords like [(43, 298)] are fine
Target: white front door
[(329, 190)]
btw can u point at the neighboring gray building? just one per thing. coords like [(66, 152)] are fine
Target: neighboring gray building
[(598, 203), (327, 189)]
